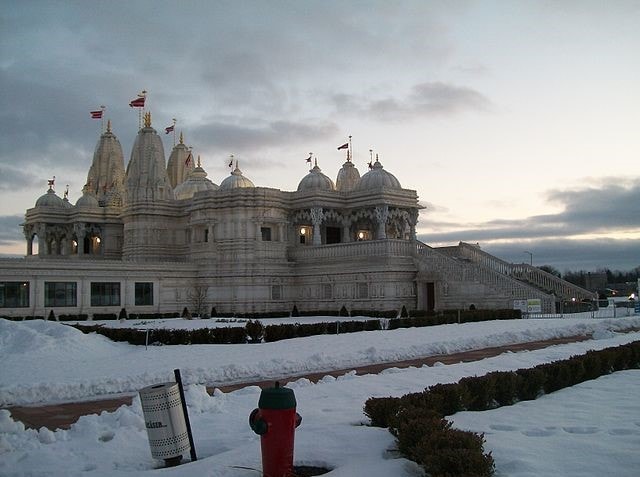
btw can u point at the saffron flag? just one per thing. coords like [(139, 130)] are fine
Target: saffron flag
[(137, 103), (169, 129), (96, 114), (344, 146)]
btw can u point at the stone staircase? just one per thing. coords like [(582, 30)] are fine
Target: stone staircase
[(523, 273)]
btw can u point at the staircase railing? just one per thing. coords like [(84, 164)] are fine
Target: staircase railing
[(521, 271)]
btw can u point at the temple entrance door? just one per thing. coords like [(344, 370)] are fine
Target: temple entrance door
[(430, 296)]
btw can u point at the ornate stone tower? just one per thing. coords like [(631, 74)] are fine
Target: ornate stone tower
[(146, 173), (105, 180), (180, 163), (150, 216)]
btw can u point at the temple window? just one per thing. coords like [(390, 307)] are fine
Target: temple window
[(105, 293), (60, 294), (14, 294), (276, 292), (266, 234), (143, 293), (363, 290), (303, 233), (327, 292)]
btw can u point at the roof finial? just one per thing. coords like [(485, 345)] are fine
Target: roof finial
[(109, 125), (66, 192), (52, 182), (315, 161), (198, 160), (147, 119), (181, 138)]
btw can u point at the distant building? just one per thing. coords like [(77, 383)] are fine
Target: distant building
[(144, 238)]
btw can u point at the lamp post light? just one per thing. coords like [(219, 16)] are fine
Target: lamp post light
[(530, 258)]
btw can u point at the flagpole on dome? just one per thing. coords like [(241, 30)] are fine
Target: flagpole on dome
[(350, 151), (174, 131), (102, 108)]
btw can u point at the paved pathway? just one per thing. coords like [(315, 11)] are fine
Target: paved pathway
[(54, 416)]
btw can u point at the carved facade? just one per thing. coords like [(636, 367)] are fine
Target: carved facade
[(143, 239)]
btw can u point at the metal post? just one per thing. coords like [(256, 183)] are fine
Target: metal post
[(176, 373)]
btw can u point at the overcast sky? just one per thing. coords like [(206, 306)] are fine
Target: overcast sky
[(517, 122)]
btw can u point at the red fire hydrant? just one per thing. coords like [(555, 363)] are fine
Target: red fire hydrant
[(275, 422)]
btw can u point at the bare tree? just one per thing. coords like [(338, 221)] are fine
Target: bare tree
[(197, 296)]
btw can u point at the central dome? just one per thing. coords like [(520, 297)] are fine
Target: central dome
[(236, 181), (377, 178), (197, 181), (50, 199), (315, 180)]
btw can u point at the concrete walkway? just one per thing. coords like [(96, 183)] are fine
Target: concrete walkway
[(54, 416)]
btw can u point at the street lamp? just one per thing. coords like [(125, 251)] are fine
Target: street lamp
[(530, 258)]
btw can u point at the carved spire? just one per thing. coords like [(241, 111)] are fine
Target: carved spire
[(147, 119)]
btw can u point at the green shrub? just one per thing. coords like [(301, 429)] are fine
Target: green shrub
[(381, 410), (255, 331)]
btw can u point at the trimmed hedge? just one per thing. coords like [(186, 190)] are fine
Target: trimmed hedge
[(417, 419), (225, 335), (418, 318)]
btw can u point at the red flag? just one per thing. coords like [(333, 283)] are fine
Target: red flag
[(169, 129), (344, 146), (137, 103), (96, 114)]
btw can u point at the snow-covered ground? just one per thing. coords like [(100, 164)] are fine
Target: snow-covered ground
[(589, 430), (47, 361)]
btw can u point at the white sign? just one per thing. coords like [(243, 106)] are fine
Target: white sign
[(520, 305), (534, 305)]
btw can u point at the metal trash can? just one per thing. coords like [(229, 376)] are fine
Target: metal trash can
[(165, 422)]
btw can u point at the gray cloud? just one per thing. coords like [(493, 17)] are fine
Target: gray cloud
[(13, 178), (614, 206), (225, 137), (10, 230), (425, 99), (571, 254)]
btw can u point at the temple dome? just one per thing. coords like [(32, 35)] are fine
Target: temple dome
[(180, 163), (87, 199), (196, 182), (236, 181), (348, 177), (377, 178), (50, 199), (315, 180)]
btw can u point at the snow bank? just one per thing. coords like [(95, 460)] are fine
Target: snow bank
[(46, 361), (332, 433)]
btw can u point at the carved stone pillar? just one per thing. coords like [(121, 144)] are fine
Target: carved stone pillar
[(28, 234), (413, 221), (381, 214), (80, 230), (346, 230), (316, 220), (281, 229)]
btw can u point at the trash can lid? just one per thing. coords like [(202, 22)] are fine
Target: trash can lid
[(277, 398)]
